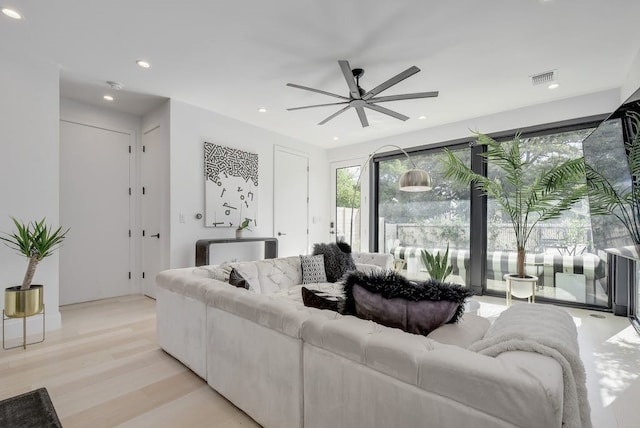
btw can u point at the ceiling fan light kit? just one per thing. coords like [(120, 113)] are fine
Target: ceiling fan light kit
[(359, 99)]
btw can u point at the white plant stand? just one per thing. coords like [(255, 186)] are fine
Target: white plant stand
[(524, 288)]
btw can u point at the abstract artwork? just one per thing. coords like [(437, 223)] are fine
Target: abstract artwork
[(231, 186)]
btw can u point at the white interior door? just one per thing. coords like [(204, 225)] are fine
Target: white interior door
[(153, 214), (95, 205), (291, 202)]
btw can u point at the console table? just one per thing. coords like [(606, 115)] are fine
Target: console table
[(202, 247)]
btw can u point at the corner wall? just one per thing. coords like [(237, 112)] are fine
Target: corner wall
[(632, 82), (29, 149), (190, 126)]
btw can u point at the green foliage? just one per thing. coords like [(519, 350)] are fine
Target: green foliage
[(619, 201), (437, 266), (245, 224), (34, 239), (525, 198), (345, 185)]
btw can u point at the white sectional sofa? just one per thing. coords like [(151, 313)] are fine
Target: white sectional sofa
[(287, 365)]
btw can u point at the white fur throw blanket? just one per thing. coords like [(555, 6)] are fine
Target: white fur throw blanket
[(550, 331)]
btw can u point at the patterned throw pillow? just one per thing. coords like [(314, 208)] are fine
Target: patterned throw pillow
[(313, 269)]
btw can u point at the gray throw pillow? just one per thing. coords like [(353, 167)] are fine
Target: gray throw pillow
[(313, 269), (237, 280)]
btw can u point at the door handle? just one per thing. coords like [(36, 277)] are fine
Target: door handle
[(157, 235), (280, 233)]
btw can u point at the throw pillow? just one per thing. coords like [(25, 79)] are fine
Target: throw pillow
[(237, 280), (313, 269), (390, 299), (337, 262), (316, 299)]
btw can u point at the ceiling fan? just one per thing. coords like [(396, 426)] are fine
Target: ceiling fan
[(359, 99)]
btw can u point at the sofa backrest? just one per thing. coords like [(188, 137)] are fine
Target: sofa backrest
[(385, 261), (270, 275)]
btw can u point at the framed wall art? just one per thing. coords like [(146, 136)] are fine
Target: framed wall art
[(231, 186)]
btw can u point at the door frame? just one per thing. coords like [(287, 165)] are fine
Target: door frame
[(334, 165)]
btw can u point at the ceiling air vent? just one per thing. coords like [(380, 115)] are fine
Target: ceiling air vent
[(542, 78)]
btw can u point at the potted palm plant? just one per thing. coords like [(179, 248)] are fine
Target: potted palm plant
[(34, 240), (527, 200)]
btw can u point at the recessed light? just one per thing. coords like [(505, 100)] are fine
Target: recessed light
[(13, 14), (553, 86), (108, 97), (422, 117), (336, 138), (262, 110), (144, 64)]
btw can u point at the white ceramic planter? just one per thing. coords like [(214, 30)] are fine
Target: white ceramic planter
[(524, 288)]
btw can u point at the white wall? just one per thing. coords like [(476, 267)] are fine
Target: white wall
[(632, 82), (190, 126), (29, 150)]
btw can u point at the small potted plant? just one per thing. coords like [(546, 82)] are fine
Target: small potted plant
[(34, 240), (244, 225), (437, 265)]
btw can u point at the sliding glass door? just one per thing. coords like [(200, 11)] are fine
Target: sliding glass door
[(561, 252), (410, 223)]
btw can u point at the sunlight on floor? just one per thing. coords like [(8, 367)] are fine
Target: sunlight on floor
[(617, 361)]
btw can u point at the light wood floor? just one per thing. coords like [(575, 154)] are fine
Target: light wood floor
[(104, 369)]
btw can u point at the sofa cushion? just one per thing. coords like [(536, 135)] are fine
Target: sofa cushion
[(337, 259), (313, 269), (392, 300), (468, 330)]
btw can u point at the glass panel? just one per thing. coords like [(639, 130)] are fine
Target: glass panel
[(411, 222), (561, 252), (348, 206)]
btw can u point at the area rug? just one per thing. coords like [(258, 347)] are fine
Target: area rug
[(31, 410)]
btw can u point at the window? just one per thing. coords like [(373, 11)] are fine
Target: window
[(566, 253), (561, 252), (347, 227), (411, 222)]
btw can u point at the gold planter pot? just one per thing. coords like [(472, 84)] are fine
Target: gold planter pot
[(23, 303)]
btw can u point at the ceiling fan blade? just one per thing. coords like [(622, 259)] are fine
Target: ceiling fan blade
[(404, 97), (306, 88), (348, 76), (363, 117), (317, 105), (393, 81), (334, 115), (386, 111)]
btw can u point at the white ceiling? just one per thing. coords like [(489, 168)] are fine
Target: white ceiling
[(233, 57)]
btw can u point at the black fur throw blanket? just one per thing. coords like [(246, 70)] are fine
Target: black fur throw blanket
[(337, 259), (391, 285)]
